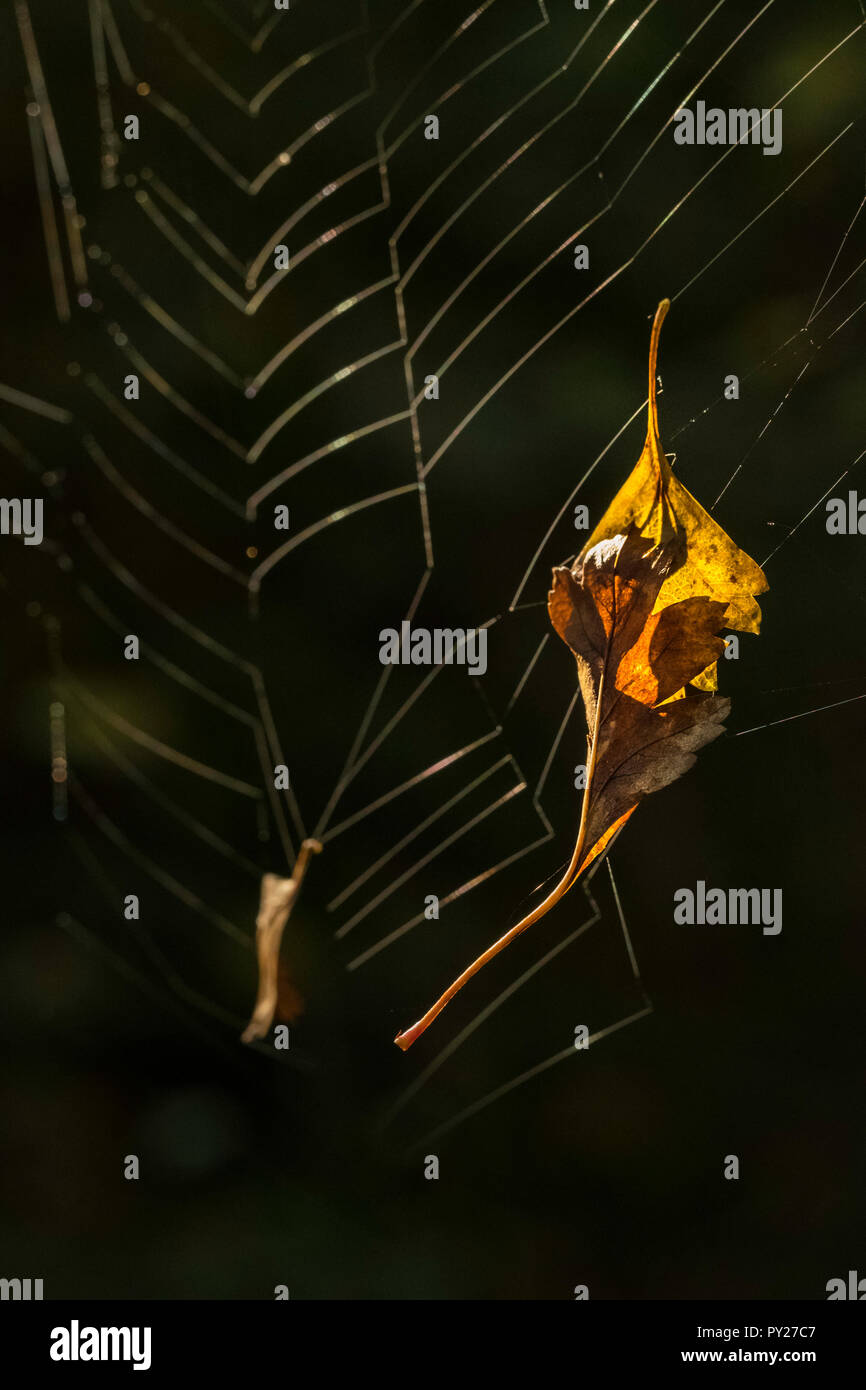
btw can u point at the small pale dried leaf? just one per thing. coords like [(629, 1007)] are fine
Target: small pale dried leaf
[(276, 900), (275, 903)]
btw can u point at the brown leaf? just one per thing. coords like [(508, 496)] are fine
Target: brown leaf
[(630, 660), (602, 605), (641, 750)]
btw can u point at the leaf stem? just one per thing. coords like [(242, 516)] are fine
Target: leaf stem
[(405, 1039), (652, 407), (307, 848)]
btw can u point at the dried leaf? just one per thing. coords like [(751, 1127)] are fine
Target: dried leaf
[(642, 608), (276, 900), (631, 661), (655, 501)]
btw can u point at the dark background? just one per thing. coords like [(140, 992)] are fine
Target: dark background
[(258, 1168)]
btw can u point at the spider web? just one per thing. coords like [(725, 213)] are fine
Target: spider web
[(409, 258)]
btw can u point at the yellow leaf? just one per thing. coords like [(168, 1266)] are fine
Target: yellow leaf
[(642, 608), (655, 501)]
